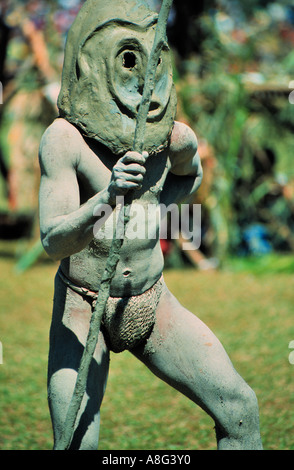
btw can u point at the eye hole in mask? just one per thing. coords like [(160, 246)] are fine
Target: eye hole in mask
[(129, 60)]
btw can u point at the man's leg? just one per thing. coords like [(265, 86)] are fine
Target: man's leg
[(68, 333), (185, 353)]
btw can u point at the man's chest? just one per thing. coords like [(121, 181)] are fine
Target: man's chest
[(95, 169)]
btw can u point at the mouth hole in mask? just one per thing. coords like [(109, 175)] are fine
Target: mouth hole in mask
[(153, 106), (129, 60)]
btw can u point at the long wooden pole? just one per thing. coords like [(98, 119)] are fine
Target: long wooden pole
[(114, 254)]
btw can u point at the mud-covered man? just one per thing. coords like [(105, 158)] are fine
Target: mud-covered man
[(87, 164)]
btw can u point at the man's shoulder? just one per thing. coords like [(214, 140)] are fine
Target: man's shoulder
[(61, 139), (183, 138), (60, 146), (63, 130)]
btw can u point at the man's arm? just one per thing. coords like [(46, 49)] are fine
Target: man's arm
[(183, 154), (66, 226), (185, 175)]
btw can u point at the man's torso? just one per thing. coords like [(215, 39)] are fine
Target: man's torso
[(141, 260)]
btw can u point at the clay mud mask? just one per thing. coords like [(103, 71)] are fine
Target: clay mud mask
[(103, 77)]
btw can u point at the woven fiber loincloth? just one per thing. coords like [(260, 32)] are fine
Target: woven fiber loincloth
[(127, 321)]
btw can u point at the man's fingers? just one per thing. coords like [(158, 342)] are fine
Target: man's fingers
[(135, 157), (126, 185), (129, 172), (138, 179), (132, 168)]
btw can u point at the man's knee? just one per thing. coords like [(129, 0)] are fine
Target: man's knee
[(242, 414), (250, 400), (248, 409), (238, 428)]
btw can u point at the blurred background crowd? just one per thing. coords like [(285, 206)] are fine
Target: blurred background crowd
[(234, 74)]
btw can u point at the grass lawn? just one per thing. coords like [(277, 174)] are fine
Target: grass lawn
[(250, 312)]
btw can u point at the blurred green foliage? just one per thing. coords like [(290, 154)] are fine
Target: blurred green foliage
[(233, 66), (235, 94)]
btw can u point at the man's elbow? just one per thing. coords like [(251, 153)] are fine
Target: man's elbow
[(50, 248)]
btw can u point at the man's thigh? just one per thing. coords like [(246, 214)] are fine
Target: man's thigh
[(185, 353)]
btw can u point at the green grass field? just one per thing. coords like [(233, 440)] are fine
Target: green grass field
[(251, 313)]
